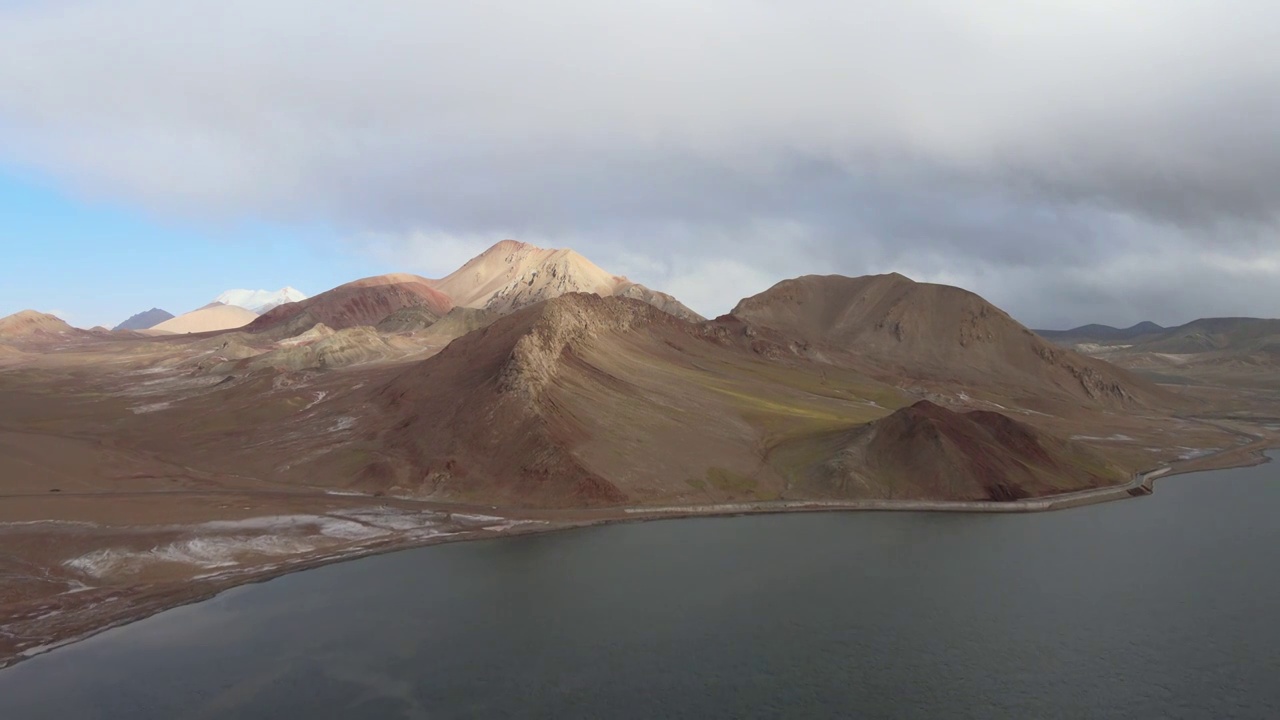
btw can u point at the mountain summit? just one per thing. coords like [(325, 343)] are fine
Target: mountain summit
[(508, 276), (145, 320), (937, 334), (260, 301), (511, 275), (367, 301), (33, 324)]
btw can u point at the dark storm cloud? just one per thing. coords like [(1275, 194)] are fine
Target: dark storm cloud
[(1073, 161)]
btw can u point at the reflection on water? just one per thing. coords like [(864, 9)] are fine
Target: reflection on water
[(1164, 606)]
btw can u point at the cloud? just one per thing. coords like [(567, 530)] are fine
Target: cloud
[(1032, 149)]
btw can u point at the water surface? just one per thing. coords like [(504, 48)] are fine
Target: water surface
[(1165, 606)]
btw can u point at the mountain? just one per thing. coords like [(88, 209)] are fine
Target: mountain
[(937, 334), (1217, 335), (925, 451), (260, 301), (511, 275), (145, 320), (210, 318), (363, 302), (1230, 351), (1101, 334), (508, 276), (33, 325), (585, 401)]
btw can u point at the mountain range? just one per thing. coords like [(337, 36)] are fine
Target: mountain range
[(532, 377), (532, 390), (508, 276), (1238, 334), (1235, 352)]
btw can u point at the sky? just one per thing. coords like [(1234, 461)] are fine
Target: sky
[(1072, 161)]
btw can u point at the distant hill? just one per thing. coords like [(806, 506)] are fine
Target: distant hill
[(1102, 334), (367, 301), (1229, 335), (939, 333), (260, 301), (1219, 336), (30, 324), (145, 320), (210, 318)]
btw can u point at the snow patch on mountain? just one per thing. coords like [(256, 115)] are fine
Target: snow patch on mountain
[(260, 301)]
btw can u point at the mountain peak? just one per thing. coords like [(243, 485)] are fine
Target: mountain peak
[(513, 274), (976, 455), (509, 244), (33, 322), (366, 301), (145, 320), (260, 301), (936, 333)]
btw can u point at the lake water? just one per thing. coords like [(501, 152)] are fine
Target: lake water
[(1160, 607)]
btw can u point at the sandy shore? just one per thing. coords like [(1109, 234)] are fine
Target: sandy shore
[(46, 625)]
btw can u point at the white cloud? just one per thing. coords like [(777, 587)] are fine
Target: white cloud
[(984, 142)]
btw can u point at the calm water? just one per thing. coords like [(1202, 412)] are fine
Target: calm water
[(1167, 606)]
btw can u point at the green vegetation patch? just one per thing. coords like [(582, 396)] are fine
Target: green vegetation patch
[(729, 481)]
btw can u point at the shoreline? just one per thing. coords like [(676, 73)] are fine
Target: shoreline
[(156, 600)]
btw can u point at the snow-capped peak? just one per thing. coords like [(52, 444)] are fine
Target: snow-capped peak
[(260, 301)]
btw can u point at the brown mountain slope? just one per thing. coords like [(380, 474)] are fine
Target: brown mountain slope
[(458, 322), (583, 401), (586, 401), (29, 324), (320, 347), (928, 452), (409, 319), (363, 302), (511, 275), (939, 334)]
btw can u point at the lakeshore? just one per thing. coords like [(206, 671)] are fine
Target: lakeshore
[(1161, 608), (52, 623)]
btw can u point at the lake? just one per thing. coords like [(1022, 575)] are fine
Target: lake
[(1165, 606)]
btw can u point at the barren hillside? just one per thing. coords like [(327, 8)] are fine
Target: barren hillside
[(942, 335)]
